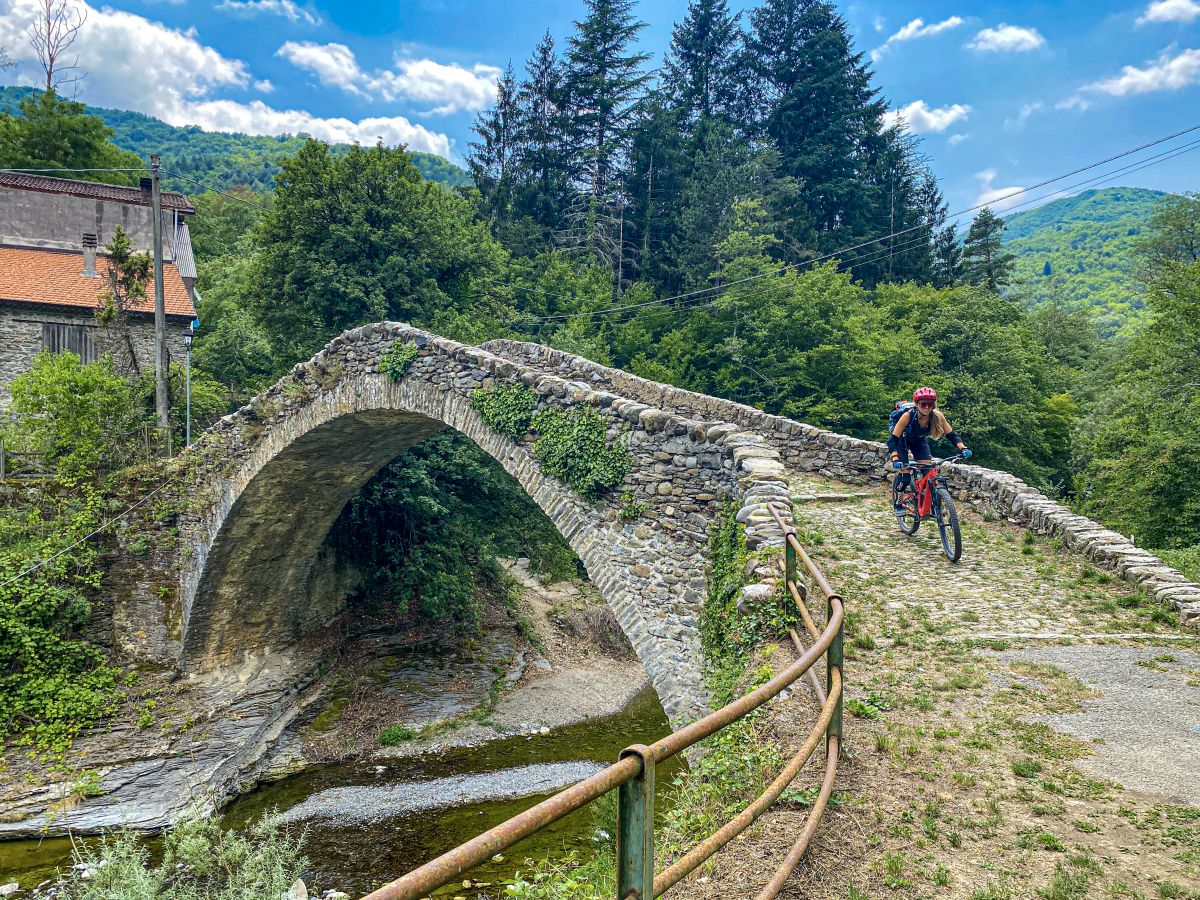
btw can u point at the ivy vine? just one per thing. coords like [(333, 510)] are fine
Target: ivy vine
[(506, 408), (572, 446), (396, 362)]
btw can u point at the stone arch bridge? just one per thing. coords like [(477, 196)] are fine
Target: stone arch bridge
[(265, 485)]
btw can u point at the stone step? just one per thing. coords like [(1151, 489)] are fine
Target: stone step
[(828, 497)]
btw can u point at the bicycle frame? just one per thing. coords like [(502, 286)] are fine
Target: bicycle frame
[(925, 477), (924, 488)]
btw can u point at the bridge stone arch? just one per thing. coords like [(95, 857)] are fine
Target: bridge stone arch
[(271, 479)]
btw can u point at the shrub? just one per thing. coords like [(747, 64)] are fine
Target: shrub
[(572, 446), (397, 734), (398, 360), (53, 684), (200, 861), (506, 408), (84, 416)]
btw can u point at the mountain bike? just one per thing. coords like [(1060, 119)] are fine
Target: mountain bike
[(926, 496)]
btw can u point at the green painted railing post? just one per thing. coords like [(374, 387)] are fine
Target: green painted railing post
[(635, 830), (789, 565), (834, 661)]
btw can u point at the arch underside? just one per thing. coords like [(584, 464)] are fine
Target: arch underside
[(254, 592), (256, 564)]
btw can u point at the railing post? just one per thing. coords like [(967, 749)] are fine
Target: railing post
[(635, 830), (1, 460), (789, 563), (834, 662)]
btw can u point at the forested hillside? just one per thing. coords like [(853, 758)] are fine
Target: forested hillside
[(216, 159), (1080, 252)]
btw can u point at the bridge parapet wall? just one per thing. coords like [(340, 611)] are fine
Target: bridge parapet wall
[(806, 448)]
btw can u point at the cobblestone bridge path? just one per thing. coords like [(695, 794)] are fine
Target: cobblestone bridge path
[(1020, 724)]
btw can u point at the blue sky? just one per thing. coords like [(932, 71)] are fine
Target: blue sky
[(1002, 94)]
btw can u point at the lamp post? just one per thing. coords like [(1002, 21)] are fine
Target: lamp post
[(188, 334)]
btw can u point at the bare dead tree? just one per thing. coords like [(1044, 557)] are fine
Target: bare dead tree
[(6, 61), (52, 34)]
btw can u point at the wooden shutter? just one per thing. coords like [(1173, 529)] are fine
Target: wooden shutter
[(77, 339)]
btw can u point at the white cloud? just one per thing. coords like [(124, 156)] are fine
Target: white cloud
[(286, 8), (256, 117), (1006, 39), (916, 29), (955, 139), (264, 86), (333, 64), (449, 88), (1170, 11), (879, 24), (1073, 102), (1167, 73), (1027, 110), (134, 63), (994, 196), (923, 119)]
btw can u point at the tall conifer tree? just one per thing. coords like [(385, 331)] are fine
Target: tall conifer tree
[(491, 158), (605, 77), (548, 161), (984, 260), (699, 73)]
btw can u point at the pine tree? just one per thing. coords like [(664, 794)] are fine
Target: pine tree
[(605, 78), (546, 158), (947, 258), (984, 259), (491, 158), (815, 101), (699, 73)]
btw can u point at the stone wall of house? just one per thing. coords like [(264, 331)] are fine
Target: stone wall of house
[(41, 219), (806, 448), (21, 339)]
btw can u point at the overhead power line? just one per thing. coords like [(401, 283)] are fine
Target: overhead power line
[(137, 169), (534, 320), (231, 196)]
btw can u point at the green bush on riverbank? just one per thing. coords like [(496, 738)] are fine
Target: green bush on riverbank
[(200, 861)]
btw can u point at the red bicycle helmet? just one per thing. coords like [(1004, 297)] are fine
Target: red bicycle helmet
[(924, 393)]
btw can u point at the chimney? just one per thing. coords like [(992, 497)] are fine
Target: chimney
[(89, 255)]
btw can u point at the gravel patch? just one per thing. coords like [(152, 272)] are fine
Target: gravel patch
[(365, 804), (1145, 730)]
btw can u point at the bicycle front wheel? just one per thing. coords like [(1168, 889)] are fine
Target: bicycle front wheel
[(904, 503), (947, 522)]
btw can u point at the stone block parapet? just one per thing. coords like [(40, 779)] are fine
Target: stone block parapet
[(806, 448)]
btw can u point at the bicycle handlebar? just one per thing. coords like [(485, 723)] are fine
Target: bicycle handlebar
[(934, 463)]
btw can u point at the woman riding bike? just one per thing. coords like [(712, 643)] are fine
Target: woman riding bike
[(912, 432)]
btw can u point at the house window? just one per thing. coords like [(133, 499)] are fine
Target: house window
[(77, 339)]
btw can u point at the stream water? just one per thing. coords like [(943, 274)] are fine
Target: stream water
[(363, 828)]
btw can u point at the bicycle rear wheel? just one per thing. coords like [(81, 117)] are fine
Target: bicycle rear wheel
[(904, 503), (947, 522)]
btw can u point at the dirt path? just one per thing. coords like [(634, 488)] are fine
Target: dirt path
[(1019, 725)]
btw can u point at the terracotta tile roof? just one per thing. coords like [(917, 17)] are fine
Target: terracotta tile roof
[(92, 190), (56, 277)]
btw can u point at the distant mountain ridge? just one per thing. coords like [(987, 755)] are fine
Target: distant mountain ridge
[(218, 159), (1080, 251)]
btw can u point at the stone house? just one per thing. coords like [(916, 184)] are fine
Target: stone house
[(53, 271)]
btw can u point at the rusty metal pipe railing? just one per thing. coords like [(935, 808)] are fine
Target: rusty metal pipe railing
[(680, 869), (634, 773), (451, 865), (785, 870)]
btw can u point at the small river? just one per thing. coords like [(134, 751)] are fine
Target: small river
[(367, 822)]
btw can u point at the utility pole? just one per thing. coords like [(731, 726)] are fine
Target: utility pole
[(160, 311)]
